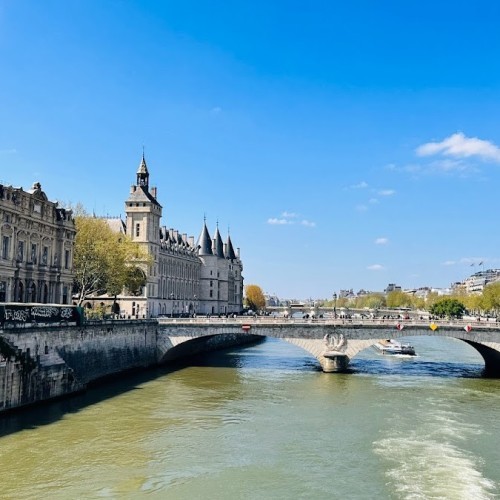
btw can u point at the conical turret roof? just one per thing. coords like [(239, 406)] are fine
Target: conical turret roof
[(230, 254), (204, 242), (218, 245)]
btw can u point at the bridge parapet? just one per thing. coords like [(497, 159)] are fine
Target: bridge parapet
[(315, 335), (338, 322)]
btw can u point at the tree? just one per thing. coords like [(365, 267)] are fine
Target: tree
[(431, 299), (375, 301), (396, 298), (491, 297), (451, 308), (254, 297), (105, 261)]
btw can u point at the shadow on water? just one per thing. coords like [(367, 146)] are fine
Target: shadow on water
[(48, 412), (270, 355)]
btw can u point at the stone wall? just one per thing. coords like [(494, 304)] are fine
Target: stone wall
[(38, 364), (44, 363)]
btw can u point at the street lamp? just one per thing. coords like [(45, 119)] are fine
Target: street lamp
[(172, 309), (194, 306), (334, 305)]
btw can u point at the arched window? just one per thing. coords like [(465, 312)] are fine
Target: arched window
[(32, 292), (20, 292)]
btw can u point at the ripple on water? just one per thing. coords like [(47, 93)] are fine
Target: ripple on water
[(423, 468), (425, 450)]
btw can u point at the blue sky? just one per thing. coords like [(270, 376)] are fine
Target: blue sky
[(345, 144)]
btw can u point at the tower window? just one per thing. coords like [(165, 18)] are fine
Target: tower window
[(137, 229)]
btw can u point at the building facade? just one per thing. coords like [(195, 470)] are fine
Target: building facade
[(477, 281), (37, 241), (182, 277)]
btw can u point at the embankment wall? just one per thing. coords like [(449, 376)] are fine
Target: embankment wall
[(38, 364)]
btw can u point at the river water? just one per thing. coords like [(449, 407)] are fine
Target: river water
[(262, 422)]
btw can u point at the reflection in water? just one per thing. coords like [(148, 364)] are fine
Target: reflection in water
[(264, 422)]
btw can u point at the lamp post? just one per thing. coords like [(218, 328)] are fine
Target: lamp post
[(194, 306), (334, 305), (172, 309)]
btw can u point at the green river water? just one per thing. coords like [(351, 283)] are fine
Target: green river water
[(262, 422)]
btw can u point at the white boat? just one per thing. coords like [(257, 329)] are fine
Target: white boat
[(390, 346)]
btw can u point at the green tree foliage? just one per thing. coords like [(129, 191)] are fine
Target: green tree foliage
[(397, 298), (370, 300), (105, 261), (418, 302), (491, 297), (447, 307), (431, 299), (254, 298)]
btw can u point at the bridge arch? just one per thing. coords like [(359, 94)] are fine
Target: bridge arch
[(488, 350), (332, 343)]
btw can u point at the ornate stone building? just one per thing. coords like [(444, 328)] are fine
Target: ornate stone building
[(36, 254), (183, 277)]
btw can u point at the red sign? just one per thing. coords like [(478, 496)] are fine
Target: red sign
[(245, 327)]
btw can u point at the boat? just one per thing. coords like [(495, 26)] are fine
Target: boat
[(390, 346)]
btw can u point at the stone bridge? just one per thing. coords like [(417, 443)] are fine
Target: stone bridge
[(333, 342)]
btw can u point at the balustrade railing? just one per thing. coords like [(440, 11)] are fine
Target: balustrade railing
[(391, 323)]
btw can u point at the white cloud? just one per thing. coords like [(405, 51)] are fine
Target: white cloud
[(308, 223), (449, 263), (360, 185), (216, 110), (275, 221), (445, 166), (373, 201), (289, 218), (11, 151), (448, 165), (386, 192), (361, 208), (381, 241), (375, 267), (459, 146)]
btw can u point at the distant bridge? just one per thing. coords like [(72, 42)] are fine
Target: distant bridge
[(334, 342)]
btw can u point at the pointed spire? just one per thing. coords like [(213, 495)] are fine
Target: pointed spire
[(143, 168), (204, 241), (142, 173), (230, 254), (218, 245)]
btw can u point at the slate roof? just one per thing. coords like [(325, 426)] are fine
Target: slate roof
[(218, 248), (204, 242), (230, 254)]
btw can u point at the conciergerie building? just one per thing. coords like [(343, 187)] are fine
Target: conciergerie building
[(184, 277)]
